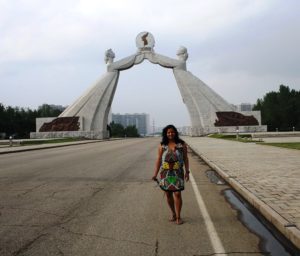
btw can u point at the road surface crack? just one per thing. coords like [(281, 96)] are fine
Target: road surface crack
[(107, 238), (28, 209), (96, 191), (32, 189), (26, 246), (156, 247), (21, 225)]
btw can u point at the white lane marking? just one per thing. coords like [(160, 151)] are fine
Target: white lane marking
[(213, 235)]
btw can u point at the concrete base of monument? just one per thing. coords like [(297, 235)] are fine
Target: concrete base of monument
[(200, 131), (241, 129), (70, 134)]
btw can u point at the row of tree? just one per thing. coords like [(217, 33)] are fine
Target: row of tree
[(280, 110), (19, 122), (118, 130)]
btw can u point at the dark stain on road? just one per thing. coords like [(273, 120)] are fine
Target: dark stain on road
[(271, 241)]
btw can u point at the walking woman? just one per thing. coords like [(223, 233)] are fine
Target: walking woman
[(172, 157)]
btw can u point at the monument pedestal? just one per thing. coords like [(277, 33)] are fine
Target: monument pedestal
[(241, 129), (70, 134), (200, 131)]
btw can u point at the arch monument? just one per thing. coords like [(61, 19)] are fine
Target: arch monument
[(88, 115)]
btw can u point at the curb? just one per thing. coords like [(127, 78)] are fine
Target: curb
[(47, 146), (289, 230)]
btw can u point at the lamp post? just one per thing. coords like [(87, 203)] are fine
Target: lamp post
[(293, 128), (153, 127)]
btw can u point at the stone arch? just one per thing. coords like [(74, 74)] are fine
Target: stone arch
[(201, 101), (88, 115)]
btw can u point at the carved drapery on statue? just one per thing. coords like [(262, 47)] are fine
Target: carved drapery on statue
[(231, 118)]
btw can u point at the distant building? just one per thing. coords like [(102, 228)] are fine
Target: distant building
[(140, 121), (182, 130), (245, 107)]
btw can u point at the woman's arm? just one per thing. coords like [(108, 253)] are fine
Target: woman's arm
[(158, 162), (186, 162)]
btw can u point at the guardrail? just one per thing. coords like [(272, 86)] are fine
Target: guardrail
[(10, 142)]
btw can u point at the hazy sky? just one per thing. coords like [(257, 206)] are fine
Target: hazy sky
[(51, 51)]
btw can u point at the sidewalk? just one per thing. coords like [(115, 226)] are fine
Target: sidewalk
[(267, 177), (7, 149)]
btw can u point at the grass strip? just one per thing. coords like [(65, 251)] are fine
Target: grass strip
[(38, 142), (290, 145), (246, 138)]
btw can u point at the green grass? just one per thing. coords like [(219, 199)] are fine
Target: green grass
[(291, 145), (38, 142), (247, 138), (229, 136), (242, 137)]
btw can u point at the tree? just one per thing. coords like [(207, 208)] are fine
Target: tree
[(280, 110), (19, 122), (117, 130), (46, 110), (131, 131)]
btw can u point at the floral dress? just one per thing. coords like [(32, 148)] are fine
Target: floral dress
[(171, 170)]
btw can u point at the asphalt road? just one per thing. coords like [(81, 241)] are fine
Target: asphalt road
[(98, 199)]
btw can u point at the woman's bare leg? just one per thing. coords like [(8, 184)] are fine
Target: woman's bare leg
[(170, 201), (178, 206)]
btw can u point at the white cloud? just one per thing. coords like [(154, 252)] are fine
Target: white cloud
[(50, 30)]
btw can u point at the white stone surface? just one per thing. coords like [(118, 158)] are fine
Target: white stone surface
[(94, 105), (182, 53), (242, 129), (109, 56), (139, 57), (68, 134), (202, 102)]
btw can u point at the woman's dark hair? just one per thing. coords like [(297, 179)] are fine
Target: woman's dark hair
[(165, 140)]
